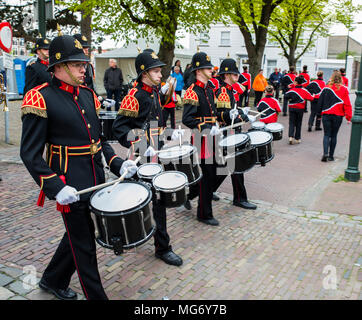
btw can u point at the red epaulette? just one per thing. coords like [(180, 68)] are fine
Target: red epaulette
[(223, 99), (34, 102), (190, 96), (129, 106)]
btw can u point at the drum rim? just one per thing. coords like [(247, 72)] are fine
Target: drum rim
[(264, 143), (104, 213), (236, 145), (169, 190), (193, 150), (274, 130), (149, 177), (258, 122)]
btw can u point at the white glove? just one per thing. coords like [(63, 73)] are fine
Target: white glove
[(177, 133), (150, 152), (109, 103), (131, 168), (100, 98), (215, 130), (165, 88), (233, 113), (67, 195), (245, 110), (252, 118)]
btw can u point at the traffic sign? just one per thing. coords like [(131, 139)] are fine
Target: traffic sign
[(6, 37)]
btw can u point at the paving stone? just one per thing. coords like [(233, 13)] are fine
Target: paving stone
[(18, 287), (5, 293), (4, 280)]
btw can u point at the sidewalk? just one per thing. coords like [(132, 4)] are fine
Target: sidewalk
[(306, 229)]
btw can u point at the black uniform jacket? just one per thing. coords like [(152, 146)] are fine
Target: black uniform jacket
[(140, 109), (64, 118), (36, 74)]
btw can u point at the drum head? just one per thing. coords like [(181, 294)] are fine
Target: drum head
[(259, 137), (274, 127), (125, 196), (175, 152), (149, 170), (258, 125), (169, 180), (233, 140)]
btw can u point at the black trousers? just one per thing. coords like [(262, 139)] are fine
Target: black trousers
[(244, 97), (239, 190), (285, 104), (315, 114), (169, 112), (276, 90), (208, 184), (258, 96), (161, 237), (331, 125), (295, 122), (76, 252)]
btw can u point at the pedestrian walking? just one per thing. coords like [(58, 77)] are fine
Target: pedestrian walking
[(316, 87), (274, 80), (286, 83), (113, 80), (335, 104)]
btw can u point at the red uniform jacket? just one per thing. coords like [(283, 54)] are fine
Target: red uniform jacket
[(247, 75), (306, 77), (271, 107), (298, 96), (336, 101)]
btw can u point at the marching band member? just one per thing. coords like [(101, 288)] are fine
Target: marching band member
[(316, 87), (270, 106), (225, 101), (62, 115), (298, 97), (335, 104), (201, 115), (36, 73), (140, 107), (286, 82)]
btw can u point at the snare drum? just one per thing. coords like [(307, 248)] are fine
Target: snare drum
[(237, 153), (262, 141), (107, 118), (171, 188), (182, 158), (122, 215), (148, 170), (276, 129), (257, 125)]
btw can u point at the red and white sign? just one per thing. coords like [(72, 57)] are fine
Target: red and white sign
[(6, 36)]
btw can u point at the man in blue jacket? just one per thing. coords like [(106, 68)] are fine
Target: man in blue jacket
[(274, 80)]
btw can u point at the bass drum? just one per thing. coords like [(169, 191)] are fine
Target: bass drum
[(122, 215)]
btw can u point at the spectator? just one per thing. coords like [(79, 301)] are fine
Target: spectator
[(177, 64), (274, 80), (179, 78), (113, 81), (259, 86)]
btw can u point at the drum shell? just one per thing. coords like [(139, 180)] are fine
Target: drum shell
[(264, 151), (240, 147), (187, 164), (106, 119), (134, 226), (171, 199), (277, 134)]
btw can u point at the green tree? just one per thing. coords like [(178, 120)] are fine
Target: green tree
[(152, 20), (253, 18)]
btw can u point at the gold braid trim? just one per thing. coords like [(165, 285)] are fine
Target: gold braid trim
[(223, 104), (37, 112), (128, 113), (190, 101)]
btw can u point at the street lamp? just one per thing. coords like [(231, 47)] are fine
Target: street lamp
[(352, 173)]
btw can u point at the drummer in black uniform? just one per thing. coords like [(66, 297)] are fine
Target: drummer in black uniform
[(36, 73), (62, 115), (141, 111), (201, 115), (225, 101)]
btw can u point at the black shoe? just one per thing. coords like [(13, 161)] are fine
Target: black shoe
[(330, 158), (284, 114), (309, 129), (215, 197), (211, 222), (67, 294), (170, 258), (324, 158), (187, 205), (245, 205), (318, 129)]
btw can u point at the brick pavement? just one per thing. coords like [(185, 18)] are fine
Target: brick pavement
[(276, 252)]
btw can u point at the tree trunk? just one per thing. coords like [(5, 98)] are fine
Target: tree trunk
[(166, 54), (85, 27)]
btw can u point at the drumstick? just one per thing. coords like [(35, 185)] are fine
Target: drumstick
[(232, 121), (179, 136), (106, 184)]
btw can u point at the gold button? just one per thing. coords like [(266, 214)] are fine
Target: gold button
[(83, 111), (89, 125), (151, 95), (93, 141), (76, 98), (157, 117)]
